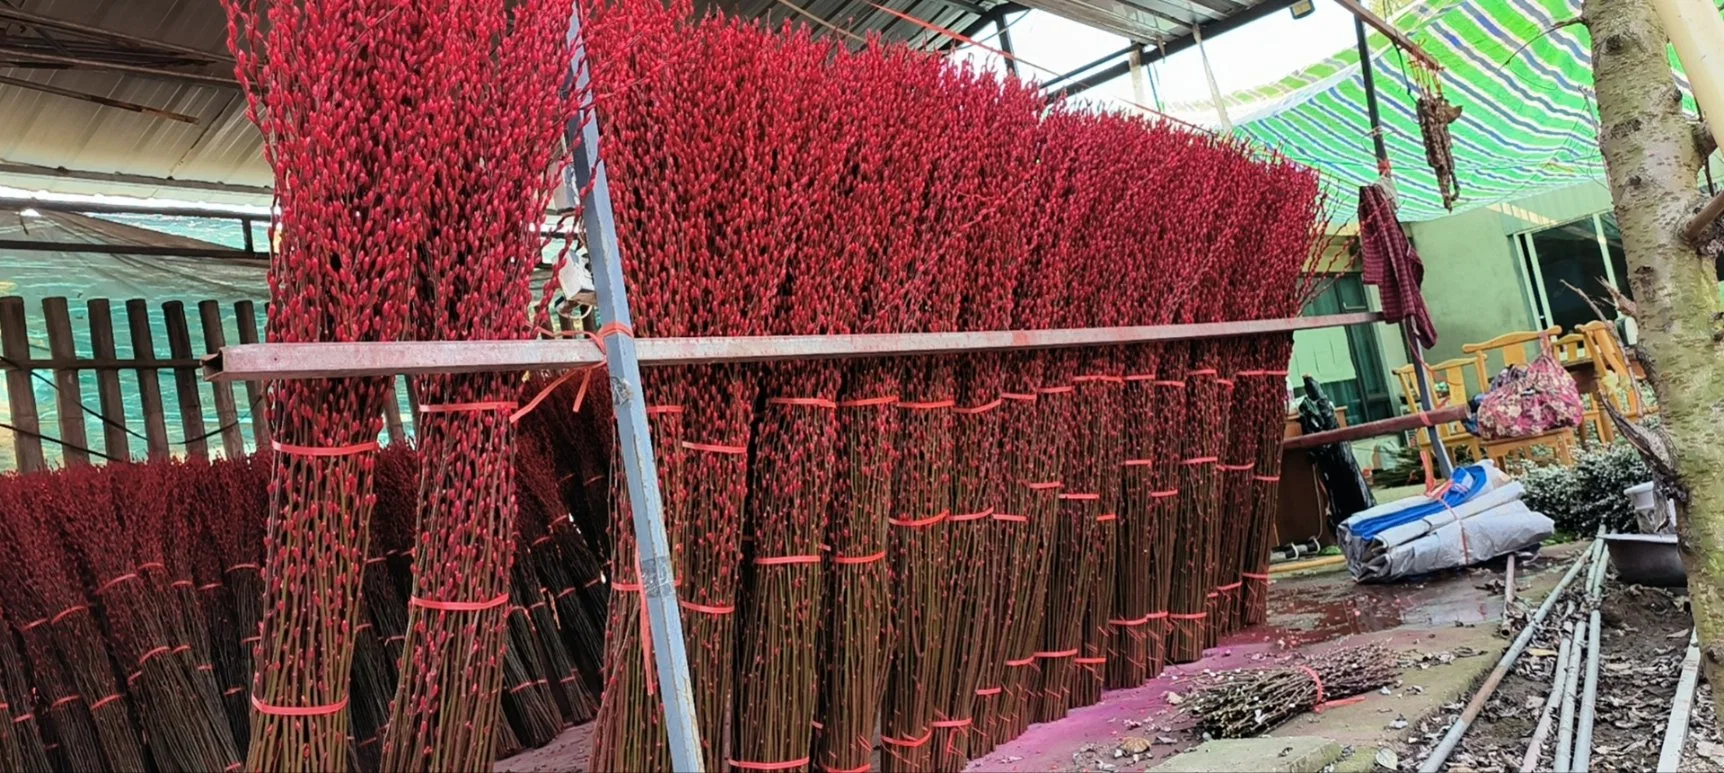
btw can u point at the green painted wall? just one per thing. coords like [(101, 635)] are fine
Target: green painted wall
[(1472, 286)]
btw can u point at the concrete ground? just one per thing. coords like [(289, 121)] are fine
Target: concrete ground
[(1445, 628)]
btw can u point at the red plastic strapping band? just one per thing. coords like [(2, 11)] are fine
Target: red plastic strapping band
[(1011, 517), (983, 408), (869, 402), (180, 584), (973, 516), (104, 701), (1202, 460), (1162, 615), (1166, 383), (1137, 463), (325, 452), (1163, 494), (1019, 396), (209, 586), (1080, 496), (22, 718), (1132, 623), (986, 691), (116, 581), (864, 768), (929, 406), (711, 610), (1107, 517), (1198, 616), (458, 606), (715, 449), (1200, 372), (1055, 655), (791, 765), (802, 402), (300, 711), (237, 567), (853, 560), (1140, 377), (950, 723), (1210, 595), (1054, 390), (913, 524), (473, 407), (1226, 382), (64, 701), (1254, 576), (153, 565), (778, 560), (145, 658), (663, 410), (33, 624), (1314, 678), (1052, 484), (1267, 478), (68, 612), (1021, 663), (232, 691), (627, 587), (1090, 661), (1099, 378), (906, 744), (1230, 586), (1236, 467)]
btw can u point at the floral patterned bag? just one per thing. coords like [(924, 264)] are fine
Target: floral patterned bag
[(1523, 402)]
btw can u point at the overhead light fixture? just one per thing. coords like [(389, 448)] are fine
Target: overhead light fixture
[(1303, 8)]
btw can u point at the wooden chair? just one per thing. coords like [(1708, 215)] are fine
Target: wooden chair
[(1560, 443), (1513, 348), (1448, 387), (1574, 350), (1615, 378)]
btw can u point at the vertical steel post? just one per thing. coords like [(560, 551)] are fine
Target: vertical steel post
[(658, 586), (1005, 34), (1415, 352)]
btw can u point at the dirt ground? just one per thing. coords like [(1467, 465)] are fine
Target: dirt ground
[(1644, 639)]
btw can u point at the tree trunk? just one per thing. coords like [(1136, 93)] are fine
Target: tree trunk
[(1652, 163)]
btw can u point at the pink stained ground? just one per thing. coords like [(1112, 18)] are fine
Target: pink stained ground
[(1306, 613)]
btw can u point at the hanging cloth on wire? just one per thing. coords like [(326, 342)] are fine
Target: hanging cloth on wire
[(1392, 264)]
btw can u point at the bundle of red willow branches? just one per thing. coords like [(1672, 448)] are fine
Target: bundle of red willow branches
[(950, 546)]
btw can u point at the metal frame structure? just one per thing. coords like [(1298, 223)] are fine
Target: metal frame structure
[(343, 360)]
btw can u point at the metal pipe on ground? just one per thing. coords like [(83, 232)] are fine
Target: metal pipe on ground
[(1676, 732), (1589, 699), (1535, 747), (1565, 729), (1452, 739)]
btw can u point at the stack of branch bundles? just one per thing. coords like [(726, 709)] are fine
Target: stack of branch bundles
[(923, 556), (129, 597), (1475, 518), (413, 148), (1241, 704)]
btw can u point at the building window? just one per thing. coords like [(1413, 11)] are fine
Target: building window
[(1577, 255)]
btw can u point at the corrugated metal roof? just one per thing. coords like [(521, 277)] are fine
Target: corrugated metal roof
[(107, 149), (54, 142)]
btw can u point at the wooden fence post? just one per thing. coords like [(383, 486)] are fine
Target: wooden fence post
[(20, 394), (115, 440), (149, 383), (246, 315), (68, 393), (232, 439), (186, 380)]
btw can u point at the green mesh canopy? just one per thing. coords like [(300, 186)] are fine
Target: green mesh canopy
[(1528, 126)]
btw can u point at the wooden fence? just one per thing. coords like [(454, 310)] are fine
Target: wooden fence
[(82, 410)]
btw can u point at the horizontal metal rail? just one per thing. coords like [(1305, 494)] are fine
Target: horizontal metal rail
[(341, 360)]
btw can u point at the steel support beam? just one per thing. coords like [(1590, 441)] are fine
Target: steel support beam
[(1171, 47), (340, 360), (657, 575)]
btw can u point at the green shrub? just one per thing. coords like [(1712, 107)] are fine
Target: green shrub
[(1581, 497)]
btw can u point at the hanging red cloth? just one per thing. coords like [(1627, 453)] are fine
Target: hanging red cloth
[(1392, 264)]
